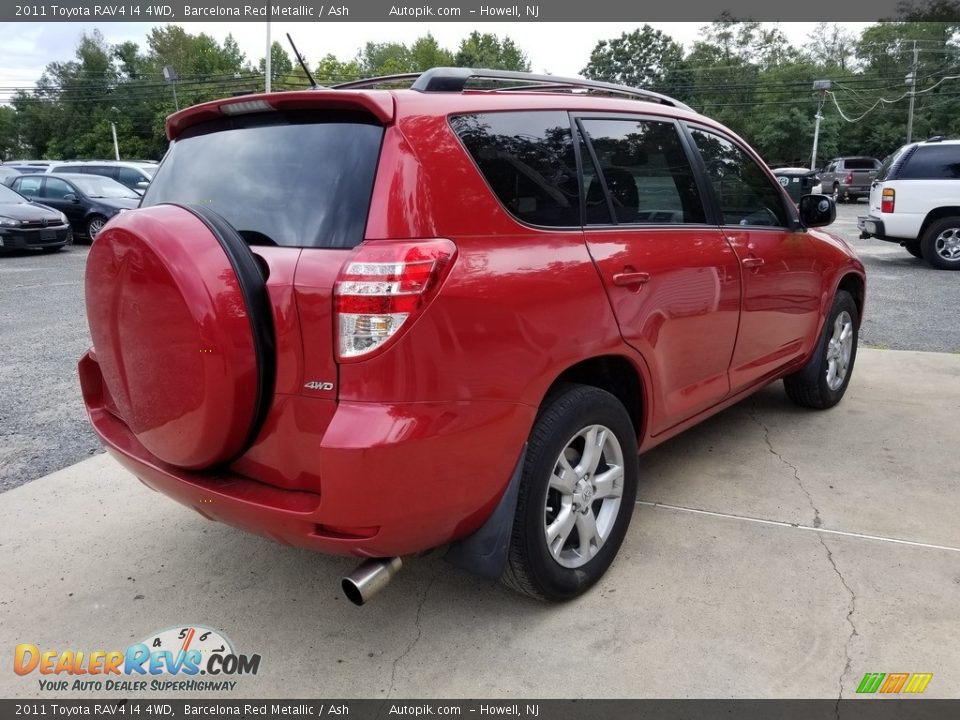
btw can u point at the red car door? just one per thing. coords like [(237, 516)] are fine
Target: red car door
[(672, 279), (781, 280)]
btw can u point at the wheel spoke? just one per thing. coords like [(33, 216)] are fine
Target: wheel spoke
[(559, 530), (589, 538), (564, 476), (592, 446), (609, 483)]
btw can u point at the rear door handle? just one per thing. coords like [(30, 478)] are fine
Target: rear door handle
[(752, 261), (625, 279)]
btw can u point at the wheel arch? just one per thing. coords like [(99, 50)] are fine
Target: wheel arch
[(617, 375), (854, 284), (937, 214)]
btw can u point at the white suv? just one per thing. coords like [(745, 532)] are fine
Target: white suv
[(915, 201)]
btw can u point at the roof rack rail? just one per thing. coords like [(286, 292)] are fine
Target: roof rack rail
[(455, 79)]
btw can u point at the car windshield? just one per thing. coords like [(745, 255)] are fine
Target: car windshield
[(9, 197), (102, 187)]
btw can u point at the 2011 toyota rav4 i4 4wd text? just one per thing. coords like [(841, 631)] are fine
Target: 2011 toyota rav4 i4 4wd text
[(373, 322)]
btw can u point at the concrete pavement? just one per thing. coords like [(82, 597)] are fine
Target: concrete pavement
[(776, 552)]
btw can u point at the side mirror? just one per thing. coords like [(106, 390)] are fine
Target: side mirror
[(817, 210), (143, 185), (70, 197)]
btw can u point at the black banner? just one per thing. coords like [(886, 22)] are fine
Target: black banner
[(853, 709), (178, 11)]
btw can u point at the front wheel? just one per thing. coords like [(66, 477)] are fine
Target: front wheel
[(823, 381), (94, 226), (837, 195), (941, 244), (577, 493)]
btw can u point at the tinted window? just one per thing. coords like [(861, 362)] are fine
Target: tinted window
[(67, 168), (29, 186), (57, 189), (933, 162), (299, 179), (745, 194), (647, 174), (859, 164), (130, 177), (529, 162), (104, 170)]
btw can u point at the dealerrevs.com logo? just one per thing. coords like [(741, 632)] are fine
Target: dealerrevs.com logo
[(170, 660)]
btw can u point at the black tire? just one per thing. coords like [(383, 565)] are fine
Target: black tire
[(837, 195), (914, 249), (810, 386), (930, 244), (94, 225), (531, 568)]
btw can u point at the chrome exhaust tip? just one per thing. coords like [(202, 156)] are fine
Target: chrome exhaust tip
[(370, 577)]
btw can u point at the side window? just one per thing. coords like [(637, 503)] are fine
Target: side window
[(129, 177), (28, 186), (105, 171), (529, 162), (745, 194), (647, 174), (933, 162), (57, 189)]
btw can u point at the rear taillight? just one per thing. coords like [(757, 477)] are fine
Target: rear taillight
[(848, 180), (382, 287), (887, 200)]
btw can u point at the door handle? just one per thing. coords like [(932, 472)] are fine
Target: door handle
[(752, 261), (625, 279)]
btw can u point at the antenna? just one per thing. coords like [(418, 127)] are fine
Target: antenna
[(302, 63)]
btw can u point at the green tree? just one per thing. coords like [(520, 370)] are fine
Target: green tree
[(486, 50), (426, 53), (643, 58)]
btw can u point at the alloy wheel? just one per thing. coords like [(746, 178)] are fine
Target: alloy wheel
[(839, 350)]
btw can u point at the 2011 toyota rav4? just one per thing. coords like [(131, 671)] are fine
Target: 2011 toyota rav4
[(375, 322)]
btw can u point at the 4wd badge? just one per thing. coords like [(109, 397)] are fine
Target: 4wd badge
[(317, 385)]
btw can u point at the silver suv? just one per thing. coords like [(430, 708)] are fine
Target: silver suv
[(915, 201), (135, 175)]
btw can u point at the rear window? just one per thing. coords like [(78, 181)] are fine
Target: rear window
[(859, 164), (295, 179), (529, 162), (893, 160), (933, 162)]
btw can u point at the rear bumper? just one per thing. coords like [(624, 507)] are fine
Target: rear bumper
[(870, 226), (394, 479)]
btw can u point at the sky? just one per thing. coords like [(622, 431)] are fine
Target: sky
[(558, 48)]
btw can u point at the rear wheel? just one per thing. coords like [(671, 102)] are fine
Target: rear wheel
[(577, 493), (914, 249), (941, 244), (823, 381)]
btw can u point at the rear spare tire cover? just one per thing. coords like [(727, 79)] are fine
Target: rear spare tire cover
[(183, 332)]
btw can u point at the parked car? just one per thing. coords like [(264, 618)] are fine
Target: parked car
[(27, 167), (373, 322), (7, 174), (88, 201), (849, 178), (134, 175), (28, 225), (915, 201)]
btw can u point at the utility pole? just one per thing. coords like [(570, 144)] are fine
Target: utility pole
[(821, 87), (170, 75), (266, 63), (911, 80), (116, 147)]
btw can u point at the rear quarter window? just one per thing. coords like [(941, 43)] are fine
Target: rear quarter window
[(932, 162), (859, 164), (301, 179), (528, 160)]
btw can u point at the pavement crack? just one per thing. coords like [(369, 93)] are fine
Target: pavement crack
[(415, 640), (853, 627), (817, 521)]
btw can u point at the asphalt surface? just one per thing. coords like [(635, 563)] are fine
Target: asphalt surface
[(910, 306)]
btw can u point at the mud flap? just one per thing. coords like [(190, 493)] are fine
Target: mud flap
[(484, 553)]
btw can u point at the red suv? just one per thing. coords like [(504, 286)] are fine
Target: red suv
[(372, 322)]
